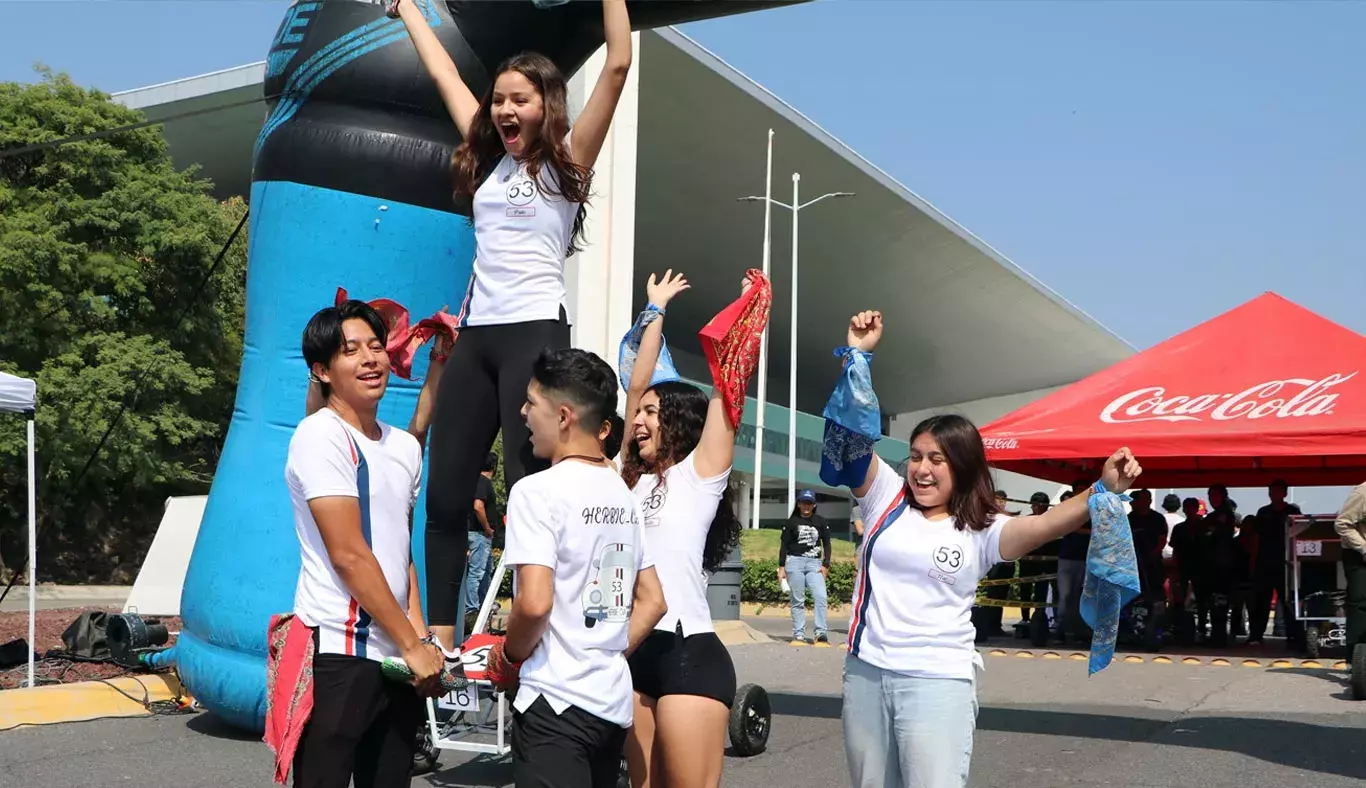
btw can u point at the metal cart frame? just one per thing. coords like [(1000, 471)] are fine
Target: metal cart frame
[(479, 713), (1312, 537)]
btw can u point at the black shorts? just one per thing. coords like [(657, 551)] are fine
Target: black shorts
[(668, 663), (570, 750)]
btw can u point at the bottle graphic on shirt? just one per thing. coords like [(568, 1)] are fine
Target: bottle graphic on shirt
[(609, 593)]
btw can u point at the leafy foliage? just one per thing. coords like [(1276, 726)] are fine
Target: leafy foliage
[(103, 247)]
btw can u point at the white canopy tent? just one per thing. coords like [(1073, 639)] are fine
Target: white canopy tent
[(20, 395)]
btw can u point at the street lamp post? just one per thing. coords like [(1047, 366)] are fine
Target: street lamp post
[(763, 347), (796, 209)]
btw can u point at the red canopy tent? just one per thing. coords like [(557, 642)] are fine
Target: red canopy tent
[(1266, 391)]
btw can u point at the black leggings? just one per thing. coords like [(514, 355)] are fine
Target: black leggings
[(482, 388)]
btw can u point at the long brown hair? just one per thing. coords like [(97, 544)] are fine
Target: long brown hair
[(682, 415), (476, 157), (973, 502)]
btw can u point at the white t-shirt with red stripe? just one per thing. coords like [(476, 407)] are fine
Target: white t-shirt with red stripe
[(328, 457), (916, 585), (581, 521)]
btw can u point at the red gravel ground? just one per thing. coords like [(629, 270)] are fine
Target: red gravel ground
[(48, 630)]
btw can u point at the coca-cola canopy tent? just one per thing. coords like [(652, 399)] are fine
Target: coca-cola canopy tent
[(1266, 391)]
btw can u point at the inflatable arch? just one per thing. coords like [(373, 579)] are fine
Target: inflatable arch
[(350, 188)]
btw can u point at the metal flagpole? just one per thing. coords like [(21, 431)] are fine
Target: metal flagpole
[(792, 361), (763, 345)]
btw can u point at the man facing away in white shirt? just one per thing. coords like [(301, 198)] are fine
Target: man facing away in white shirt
[(586, 591)]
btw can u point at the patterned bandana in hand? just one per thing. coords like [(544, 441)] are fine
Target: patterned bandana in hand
[(405, 338), (853, 423), (1111, 574), (630, 349), (731, 343)]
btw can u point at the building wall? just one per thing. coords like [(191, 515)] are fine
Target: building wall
[(599, 279)]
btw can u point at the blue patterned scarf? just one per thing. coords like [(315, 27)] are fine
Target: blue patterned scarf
[(630, 349), (1111, 574), (853, 423)]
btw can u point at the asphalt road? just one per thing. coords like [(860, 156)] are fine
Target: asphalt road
[(1043, 723)]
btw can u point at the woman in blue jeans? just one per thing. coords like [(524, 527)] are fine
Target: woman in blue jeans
[(804, 562), (910, 679)]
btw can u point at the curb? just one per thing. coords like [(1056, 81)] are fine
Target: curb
[(53, 593), (1161, 659), (128, 696), (738, 633)]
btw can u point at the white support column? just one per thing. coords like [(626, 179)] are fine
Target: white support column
[(600, 279)]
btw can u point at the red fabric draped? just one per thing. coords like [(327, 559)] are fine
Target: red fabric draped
[(731, 342), (289, 688)]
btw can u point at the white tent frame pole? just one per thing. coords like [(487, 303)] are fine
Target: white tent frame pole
[(32, 552)]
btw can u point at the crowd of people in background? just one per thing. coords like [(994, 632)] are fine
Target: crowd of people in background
[(1200, 563)]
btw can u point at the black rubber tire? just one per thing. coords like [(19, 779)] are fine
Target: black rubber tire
[(1359, 672), (1038, 629), (1311, 641), (751, 719), (425, 755)]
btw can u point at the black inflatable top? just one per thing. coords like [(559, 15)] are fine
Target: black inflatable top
[(353, 109)]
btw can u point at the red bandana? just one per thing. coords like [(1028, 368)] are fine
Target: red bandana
[(731, 343)]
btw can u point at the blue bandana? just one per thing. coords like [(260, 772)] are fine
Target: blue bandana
[(853, 423), (1111, 574), (630, 349)]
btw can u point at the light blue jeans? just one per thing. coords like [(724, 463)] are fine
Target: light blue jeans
[(803, 574), (907, 732), (481, 547)]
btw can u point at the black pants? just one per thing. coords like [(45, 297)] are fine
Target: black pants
[(482, 388), (1266, 583), (1033, 592), (570, 750), (363, 726), (1354, 567)]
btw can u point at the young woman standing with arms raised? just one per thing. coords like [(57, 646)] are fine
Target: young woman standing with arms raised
[(677, 460), (910, 679), (528, 178)]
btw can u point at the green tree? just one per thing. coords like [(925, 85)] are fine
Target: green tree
[(103, 245)]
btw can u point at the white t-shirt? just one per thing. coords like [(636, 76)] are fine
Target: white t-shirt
[(678, 514), (521, 239), (582, 522), (916, 586), (328, 457)]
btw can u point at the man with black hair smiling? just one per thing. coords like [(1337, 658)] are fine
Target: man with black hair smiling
[(586, 592), (352, 481)]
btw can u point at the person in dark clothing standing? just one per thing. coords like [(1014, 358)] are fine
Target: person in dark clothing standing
[(1149, 530), (1072, 575), (1221, 559), (1268, 574), (1187, 541), (1037, 593), (804, 561), (484, 521), (989, 618)]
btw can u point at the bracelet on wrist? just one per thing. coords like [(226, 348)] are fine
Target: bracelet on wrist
[(654, 308)]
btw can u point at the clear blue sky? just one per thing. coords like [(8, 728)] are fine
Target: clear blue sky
[(1155, 163)]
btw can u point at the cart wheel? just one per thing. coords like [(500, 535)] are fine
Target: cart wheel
[(1359, 672), (1311, 641), (1038, 629), (749, 720), (425, 755)]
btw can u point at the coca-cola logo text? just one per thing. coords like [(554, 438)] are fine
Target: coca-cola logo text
[(1000, 443), (1287, 398)]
